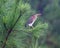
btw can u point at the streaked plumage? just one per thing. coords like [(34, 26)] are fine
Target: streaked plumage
[(31, 20)]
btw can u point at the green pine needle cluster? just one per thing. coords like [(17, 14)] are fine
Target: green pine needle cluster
[(44, 34)]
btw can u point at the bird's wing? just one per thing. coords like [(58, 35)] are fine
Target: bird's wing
[(30, 20)]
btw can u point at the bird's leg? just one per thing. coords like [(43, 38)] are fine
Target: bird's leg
[(31, 27)]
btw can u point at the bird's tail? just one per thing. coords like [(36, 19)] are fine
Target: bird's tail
[(25, 25)]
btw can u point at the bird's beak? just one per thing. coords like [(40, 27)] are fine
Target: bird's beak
[(39, 14)]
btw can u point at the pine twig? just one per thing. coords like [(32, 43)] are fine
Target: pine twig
[(9, 31)]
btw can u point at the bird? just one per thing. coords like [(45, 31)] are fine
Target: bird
[(32, 20)]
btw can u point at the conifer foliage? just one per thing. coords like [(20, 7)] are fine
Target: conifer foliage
[(46, 30)]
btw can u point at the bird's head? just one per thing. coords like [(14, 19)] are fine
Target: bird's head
[(39, 14)]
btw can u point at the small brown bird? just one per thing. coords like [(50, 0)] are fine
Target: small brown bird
[(32, 19)]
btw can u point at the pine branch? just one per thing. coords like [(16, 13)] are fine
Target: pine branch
[(9, 31), (25, 32), (5, 26)]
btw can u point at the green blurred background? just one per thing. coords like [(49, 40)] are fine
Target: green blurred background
[(46, 30)]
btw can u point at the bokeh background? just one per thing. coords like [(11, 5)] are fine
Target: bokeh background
[(46, 30)]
